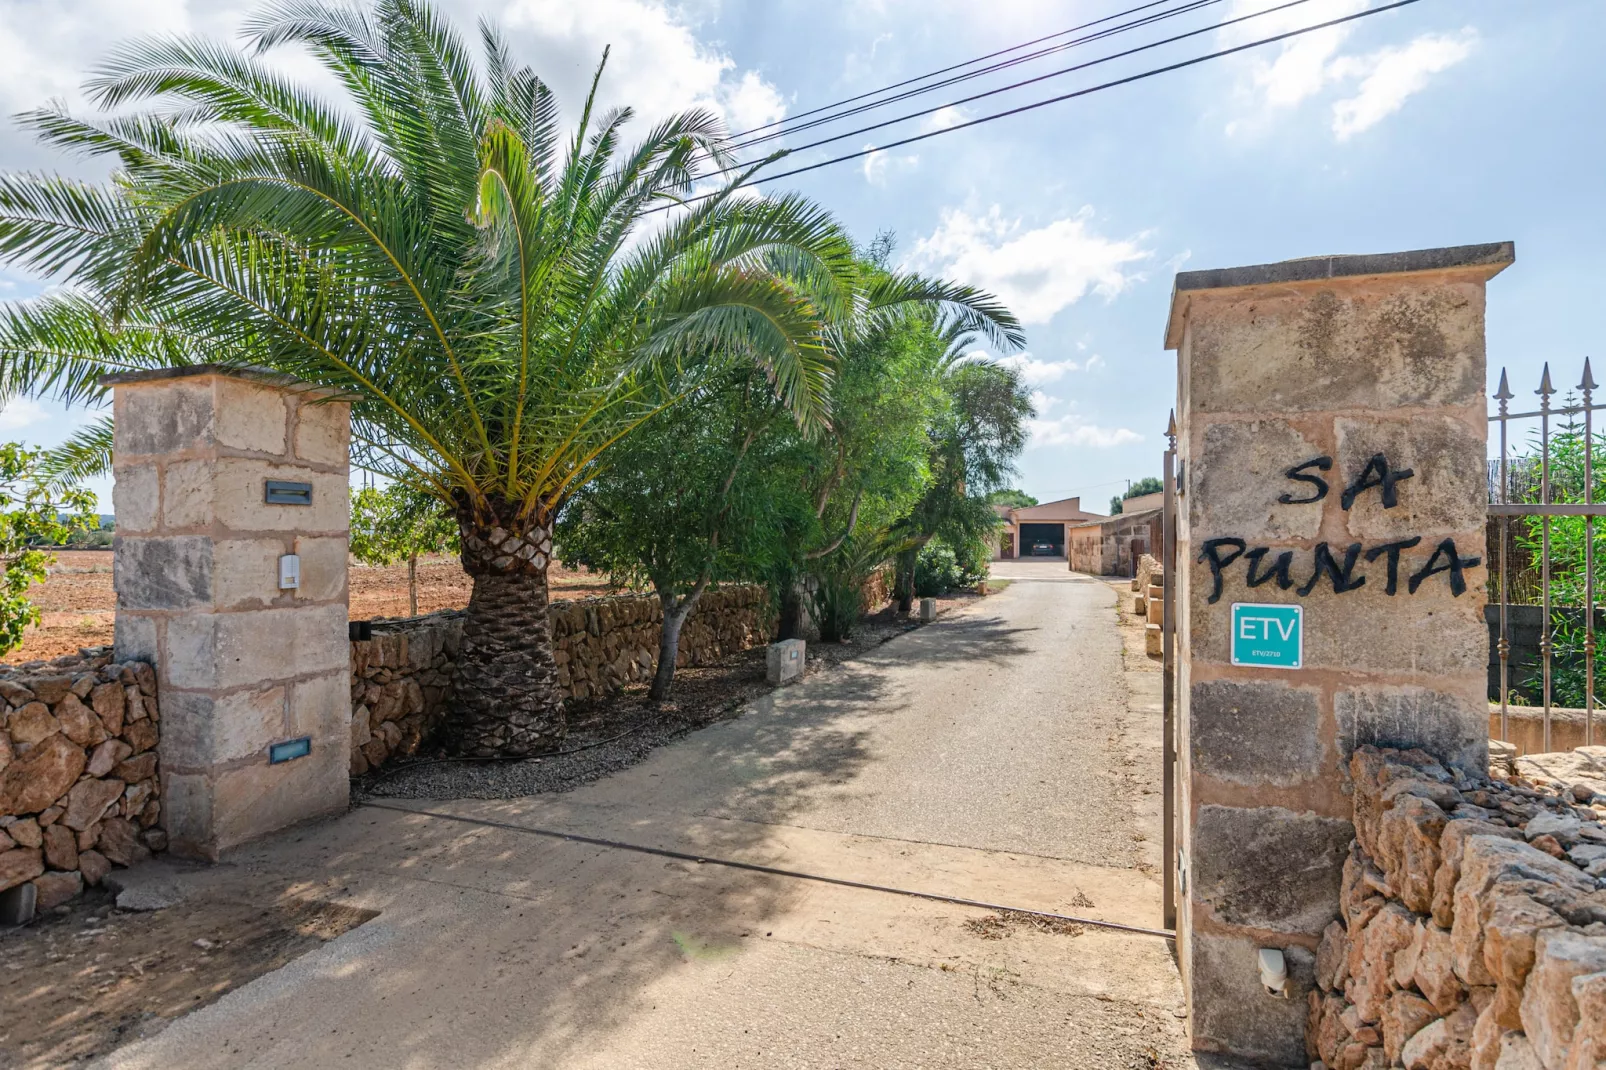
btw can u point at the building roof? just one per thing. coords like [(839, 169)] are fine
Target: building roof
[(1063, 509)]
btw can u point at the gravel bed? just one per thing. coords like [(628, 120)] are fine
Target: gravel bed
[(611, 734)]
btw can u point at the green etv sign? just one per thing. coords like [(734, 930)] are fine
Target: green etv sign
[(1267, 635)]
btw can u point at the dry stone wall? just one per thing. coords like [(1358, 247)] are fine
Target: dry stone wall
[(80, 787), (401, 679), (1472, 933)]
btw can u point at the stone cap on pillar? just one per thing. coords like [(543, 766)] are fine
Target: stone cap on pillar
[(1483, 261), (252, 372)]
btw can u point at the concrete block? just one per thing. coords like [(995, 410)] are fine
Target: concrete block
[(247, 572), (928, 609), (1154, 640), (187, 494), (240, 506), (1255, 732), (258, 799), (162, 418), (136, 498), (1446, 493), (784, 661), (1451, 727), (162, 572), (323, 432), (323, 569), (1268, 867), (1239, 477), (1233, 1013), (1140, 605), (1154, 608), (251, 416)]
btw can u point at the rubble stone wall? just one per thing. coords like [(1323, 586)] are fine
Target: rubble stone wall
[(1472, 928), (80, 788), (401, 679)]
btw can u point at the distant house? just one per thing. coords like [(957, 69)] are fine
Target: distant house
[(1111, 546), (1039, 530)]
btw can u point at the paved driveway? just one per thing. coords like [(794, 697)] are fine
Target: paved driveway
[(991, 756)]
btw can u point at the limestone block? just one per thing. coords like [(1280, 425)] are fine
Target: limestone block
[(1357, 344), (53, 889), (1233, 1012), (187, 813), (1589, 1039), (135, 636), (163, 572), (1446, 493), (61, 847), (1549, 1010), (785, 661), (321, 708), (188, 499), (79, 723), (1239, 478), (1296, 859), (928, 609), (1487, 861), (1451, 727), (32, 724), (94, 866), (1153, 640), (119, 842), (247, 572), (1516, 1053), (323, 432), (162, 418), (251, 416), (1404, 1016), (1451, 844), (1330, 956), (1434, 973), (239, 506), (20, 864), (323, 570), (136, 498), (1140, 605), (50, 689), (1408, 849), (1155, 610), (257, 799), (1390, 932), (1255, 732), (243, 723), (88, 802)]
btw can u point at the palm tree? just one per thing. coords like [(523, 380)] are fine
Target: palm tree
[(489, 293)]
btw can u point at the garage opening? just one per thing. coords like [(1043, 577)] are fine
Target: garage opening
[(1042, 540)]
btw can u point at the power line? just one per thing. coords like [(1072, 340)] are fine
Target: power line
[(953, 67), (1141, 76), (1039, 78), (1112, 31)]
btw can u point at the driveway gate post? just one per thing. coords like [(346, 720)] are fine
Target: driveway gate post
[(230, 568), (1330, 590)]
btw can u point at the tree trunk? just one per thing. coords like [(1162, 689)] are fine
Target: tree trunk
[(506, 700), (790, 622), (904, 584), (412, 586), (663, 678)]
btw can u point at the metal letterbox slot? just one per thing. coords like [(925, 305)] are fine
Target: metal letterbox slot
[(284, 492), (289, 750)]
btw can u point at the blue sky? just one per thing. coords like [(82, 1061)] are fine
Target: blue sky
[(1447, 122)]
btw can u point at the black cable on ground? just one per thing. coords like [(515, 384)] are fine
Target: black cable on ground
[(770, 871)]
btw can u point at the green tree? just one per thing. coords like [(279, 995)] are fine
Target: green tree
[(433, 247), (400, 524), (1015, 499), (35, 512), (1146, 485)]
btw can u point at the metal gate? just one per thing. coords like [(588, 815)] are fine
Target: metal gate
[(1542, 508)]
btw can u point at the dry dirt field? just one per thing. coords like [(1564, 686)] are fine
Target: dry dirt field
[(77, 601)]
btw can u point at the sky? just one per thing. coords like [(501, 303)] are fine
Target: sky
[(1446, 122)]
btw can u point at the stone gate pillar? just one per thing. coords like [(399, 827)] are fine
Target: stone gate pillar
[(1332, 433), (219, 476)]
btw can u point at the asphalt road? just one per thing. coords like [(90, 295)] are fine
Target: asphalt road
[(989, 756)]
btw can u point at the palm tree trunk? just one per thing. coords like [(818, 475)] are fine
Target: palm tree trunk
[(904, 583), (506, 699), (412, 586)]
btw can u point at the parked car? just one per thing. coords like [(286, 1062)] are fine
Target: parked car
[(1044, 549)]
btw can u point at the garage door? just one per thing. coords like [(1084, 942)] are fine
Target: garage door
[(1042, 540)]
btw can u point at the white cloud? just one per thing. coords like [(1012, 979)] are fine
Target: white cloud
[(1073, 430), (20, 413), (879, 163), (1034, 372), (1392, 75), (1307, 66), (1044, 403), (1036, 272), (945, 118)]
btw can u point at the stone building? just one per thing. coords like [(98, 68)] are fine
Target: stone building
[(1039, 530), (1112, 546)]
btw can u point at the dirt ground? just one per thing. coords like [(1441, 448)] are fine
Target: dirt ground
[(77, 602), (88, 977)]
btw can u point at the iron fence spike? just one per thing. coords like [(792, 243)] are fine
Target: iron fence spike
[(1171, 425), (1545, 389), (1504, 393), (1589, 380)]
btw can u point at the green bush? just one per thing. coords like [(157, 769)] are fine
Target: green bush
[(940, 569)]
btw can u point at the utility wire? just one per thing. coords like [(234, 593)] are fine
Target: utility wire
[(1141, 76), (1039, 78), (1112, 31), (953, 67)]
